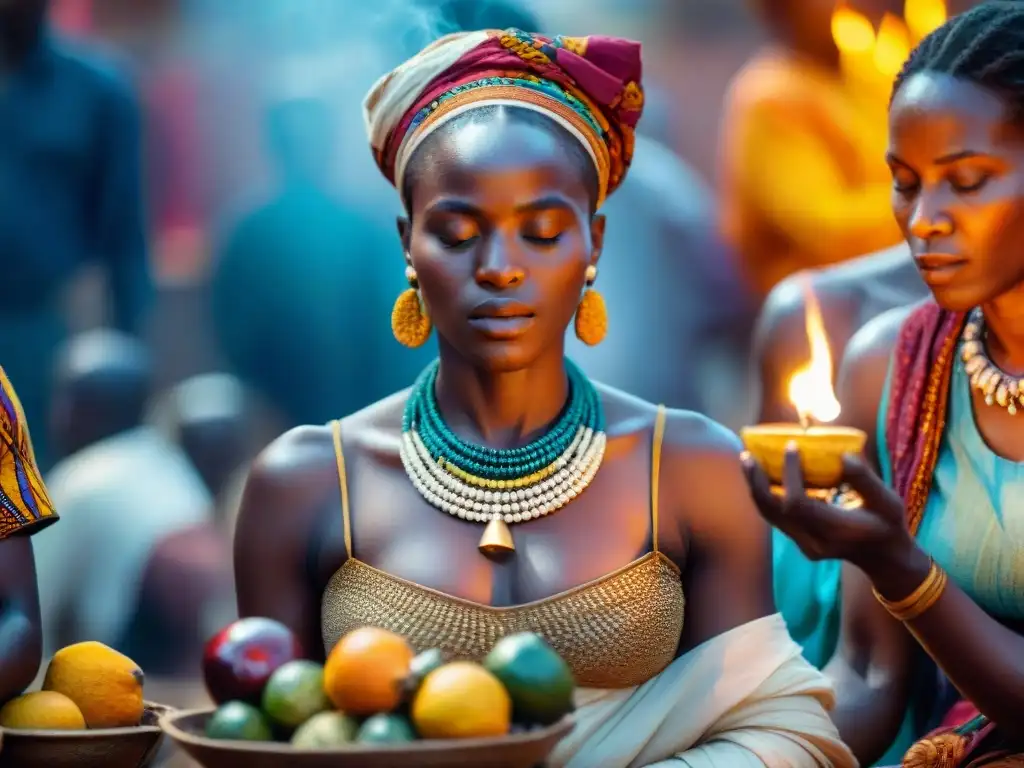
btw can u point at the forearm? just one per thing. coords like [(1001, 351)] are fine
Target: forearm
[(980, 656), (868, 710), (20, 652)]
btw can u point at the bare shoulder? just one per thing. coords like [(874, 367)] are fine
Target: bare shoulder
[(876, 339), (299, 469), (701, 482), (865, 368)]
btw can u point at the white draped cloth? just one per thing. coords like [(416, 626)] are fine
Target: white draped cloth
[(744, 699)]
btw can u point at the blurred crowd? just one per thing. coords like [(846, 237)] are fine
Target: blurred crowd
[(198, 251)]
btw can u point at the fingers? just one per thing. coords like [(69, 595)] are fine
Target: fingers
[(866, 483), (793, 474), (767, 502)]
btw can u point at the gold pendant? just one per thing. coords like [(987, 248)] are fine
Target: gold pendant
[(497, 538)]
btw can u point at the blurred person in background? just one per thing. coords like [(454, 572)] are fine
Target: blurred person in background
[(803, 181), (848, 296), (137, 563), (25, 509), (70, 194), (291, 295), (210, 418)]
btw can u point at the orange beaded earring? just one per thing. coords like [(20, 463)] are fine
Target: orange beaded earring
[(592, 314), (409, 320)]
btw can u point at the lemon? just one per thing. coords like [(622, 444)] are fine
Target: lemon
[(43, 710), (461, 700)]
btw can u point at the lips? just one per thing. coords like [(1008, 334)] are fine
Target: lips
[(501, 319), (939, 268)]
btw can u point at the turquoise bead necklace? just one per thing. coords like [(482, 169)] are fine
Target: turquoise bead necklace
[(502, 486)]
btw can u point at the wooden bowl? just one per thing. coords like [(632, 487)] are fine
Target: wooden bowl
[(821, 450), (100, 748), (524, 750)]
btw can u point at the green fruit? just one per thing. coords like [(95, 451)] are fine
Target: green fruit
[(294, 693), (325, 730), (538, 680), (386, 729), (420, 667), (237, 721)]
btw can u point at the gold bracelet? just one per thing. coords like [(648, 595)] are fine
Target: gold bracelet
[(921, 599)]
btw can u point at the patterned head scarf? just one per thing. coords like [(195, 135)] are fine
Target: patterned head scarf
[(24, 502), (588, 85)]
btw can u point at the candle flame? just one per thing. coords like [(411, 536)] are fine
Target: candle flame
[(924, 16), (852, 32), (892, 45), (810, 388)]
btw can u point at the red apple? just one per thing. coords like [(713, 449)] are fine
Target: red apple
[(238, 660)]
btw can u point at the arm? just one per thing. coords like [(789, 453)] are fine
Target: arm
[(287, 489), (791, 174), (727, 573), (981, 657), (119, 215), (871, 669), (728, 584), (779, 348), (21, 644)]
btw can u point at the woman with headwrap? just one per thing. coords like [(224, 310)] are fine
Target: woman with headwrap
[(503, 146), (25, 509)]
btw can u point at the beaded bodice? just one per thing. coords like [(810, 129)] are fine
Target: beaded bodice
[(617, 631)]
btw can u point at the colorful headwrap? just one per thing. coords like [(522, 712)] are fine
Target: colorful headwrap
[(588, 85)]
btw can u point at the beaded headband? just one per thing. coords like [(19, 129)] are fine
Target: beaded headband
[(535, 94)]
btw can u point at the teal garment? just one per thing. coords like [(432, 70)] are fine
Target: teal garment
[(807, 594), (973, 523)]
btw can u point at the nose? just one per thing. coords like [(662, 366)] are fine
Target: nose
[(498, 268), (929, 219)]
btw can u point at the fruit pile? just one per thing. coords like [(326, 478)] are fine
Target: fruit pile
[(87, 685), (375, 690)]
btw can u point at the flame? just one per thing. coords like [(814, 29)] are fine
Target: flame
[(892, 45), (810, 388), (924, 16), (852, 31)]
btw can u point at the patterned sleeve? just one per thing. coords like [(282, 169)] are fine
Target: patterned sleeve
[(25, 505)]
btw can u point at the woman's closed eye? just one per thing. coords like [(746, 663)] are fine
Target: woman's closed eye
[(905, 182), (457, 234), (969, 181)]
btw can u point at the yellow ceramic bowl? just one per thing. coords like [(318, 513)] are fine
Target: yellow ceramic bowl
[(821, 450)]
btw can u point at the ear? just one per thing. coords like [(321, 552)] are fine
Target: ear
[(597, 222), (404, 234)]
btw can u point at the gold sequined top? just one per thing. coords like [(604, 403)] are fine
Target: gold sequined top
[(617, 631)]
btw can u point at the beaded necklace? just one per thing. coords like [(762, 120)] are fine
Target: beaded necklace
[(997, 386), (502, 487)]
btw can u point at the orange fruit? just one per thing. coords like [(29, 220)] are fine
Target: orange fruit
[(365, 671), (461, 700), (42, 710)]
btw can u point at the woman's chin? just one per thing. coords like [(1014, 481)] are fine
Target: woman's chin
[(959, 298), (504, 356)]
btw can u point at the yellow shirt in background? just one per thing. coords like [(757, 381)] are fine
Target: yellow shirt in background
[(803, 176)]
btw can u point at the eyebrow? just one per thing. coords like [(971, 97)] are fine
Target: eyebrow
[(468, 209), (952, 157)]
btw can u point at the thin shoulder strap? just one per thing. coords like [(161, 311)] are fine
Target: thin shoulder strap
[(659, 434), (339, 457)]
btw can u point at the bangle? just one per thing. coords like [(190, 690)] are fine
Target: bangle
[(921, 599)]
